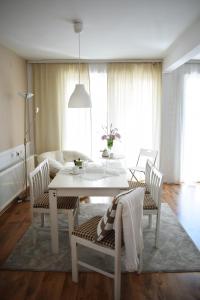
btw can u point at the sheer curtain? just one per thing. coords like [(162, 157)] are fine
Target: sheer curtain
[(98, 92), (134, 100), (179, 144), (171, 125), (190, 158), (58, 127), (126, 95)]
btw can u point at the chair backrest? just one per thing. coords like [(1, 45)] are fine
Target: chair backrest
[(44, 167), (146, 154), (36, 186), (148, 169), (156, 182), (131, 204), (118, 227)]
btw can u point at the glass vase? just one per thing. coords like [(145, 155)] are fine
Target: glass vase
[(109, 144)]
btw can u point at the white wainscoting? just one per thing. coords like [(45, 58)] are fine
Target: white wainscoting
[(13, 156), (12, 181)]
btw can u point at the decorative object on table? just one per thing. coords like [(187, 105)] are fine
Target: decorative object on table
[(105, 153), (79, 98), (110, 135), (75, 170), (78, 163)]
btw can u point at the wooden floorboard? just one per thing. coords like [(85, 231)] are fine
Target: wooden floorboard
[(19, 285)]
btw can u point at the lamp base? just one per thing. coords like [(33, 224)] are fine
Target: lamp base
[(23, 196)]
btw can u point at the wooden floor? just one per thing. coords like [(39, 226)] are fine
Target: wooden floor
[(19, 285)]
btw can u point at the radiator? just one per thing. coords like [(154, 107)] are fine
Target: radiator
[(12, 181)]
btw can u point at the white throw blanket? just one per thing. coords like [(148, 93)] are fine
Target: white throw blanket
[(132, 227)]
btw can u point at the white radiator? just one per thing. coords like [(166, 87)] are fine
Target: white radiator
[(12, 181)]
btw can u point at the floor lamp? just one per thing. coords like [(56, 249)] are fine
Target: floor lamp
[(26, 96)]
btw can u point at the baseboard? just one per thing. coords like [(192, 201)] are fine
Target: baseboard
[(6, 207)]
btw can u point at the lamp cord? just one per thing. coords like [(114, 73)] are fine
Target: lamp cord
[(79, 51)]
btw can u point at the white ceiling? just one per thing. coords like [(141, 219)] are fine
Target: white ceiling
[(113, 29)]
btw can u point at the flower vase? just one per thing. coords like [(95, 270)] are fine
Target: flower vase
[(109, 144)]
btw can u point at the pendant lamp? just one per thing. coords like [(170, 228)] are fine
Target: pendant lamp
[(79, 98)]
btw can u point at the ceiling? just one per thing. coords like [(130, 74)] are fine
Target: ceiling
[(113, 29)]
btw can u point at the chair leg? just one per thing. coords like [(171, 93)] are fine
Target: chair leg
[(140, 262), (42, 219), (74, 256), (150, 221), (34, 236), (117, 278), (132, 173), (157, 230), (76, 216), (70, 224), (78, 208), (135, 178)]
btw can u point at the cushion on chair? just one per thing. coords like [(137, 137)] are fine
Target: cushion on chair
[(107, 221), (62, 202), (88, 231), (54, 166), (42, 202), (136, 184), (149, 203)]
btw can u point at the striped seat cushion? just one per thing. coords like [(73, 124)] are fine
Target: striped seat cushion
[(135, 184), (88, 231), (62, 202), (149, 203)]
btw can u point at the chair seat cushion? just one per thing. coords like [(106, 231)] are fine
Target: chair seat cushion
[(136, 184), (62, 202), (149, 203), (88, 231)]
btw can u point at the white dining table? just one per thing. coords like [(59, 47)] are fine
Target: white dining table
[(81, 185)]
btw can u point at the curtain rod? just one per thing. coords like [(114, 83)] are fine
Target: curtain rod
[(52, 61)]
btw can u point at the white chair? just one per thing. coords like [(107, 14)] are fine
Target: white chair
[(39, 196), (146, 183), (152, 201), (111, 244), (144, 155)]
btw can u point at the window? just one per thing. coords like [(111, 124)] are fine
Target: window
[(191, 124)]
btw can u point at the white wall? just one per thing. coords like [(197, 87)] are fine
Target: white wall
[(13, 78)]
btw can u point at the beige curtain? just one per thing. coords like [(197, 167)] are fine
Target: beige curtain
[(52, 87), (134, 103)]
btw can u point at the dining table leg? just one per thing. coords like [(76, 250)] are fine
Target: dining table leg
[(53, 220)]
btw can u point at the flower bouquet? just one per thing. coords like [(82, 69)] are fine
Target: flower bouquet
[(110, 135)]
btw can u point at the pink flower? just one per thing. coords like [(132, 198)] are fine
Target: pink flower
[(112, 134), (104, 137)]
